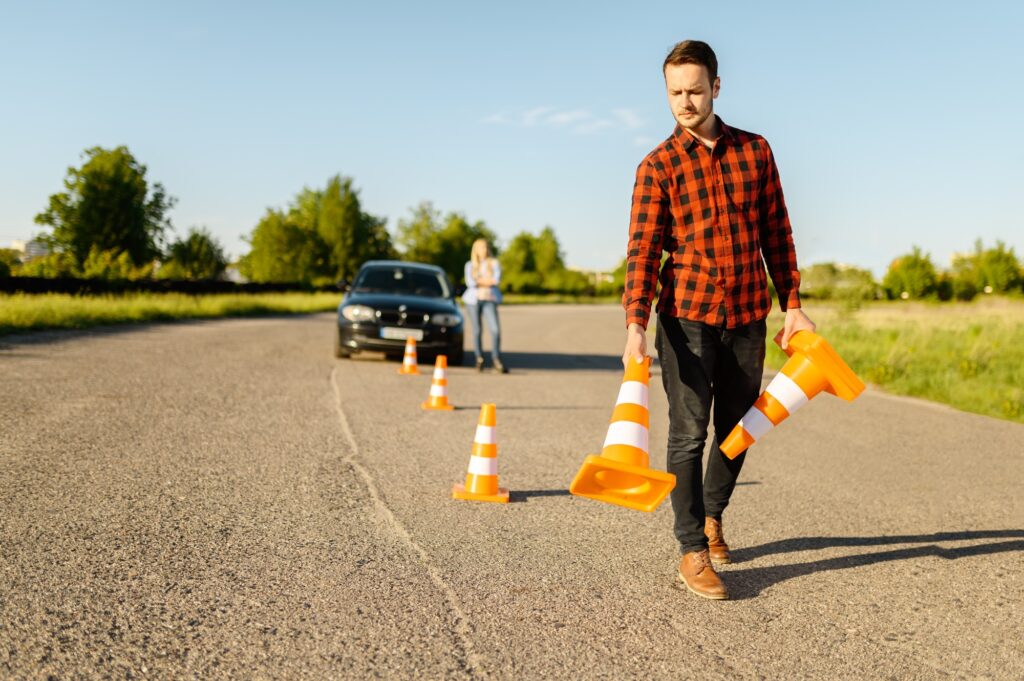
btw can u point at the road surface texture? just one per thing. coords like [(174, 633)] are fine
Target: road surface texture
[(224, 499)]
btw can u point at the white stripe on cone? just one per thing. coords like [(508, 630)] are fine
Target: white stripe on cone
[(787, 391), (633, 392), (439, 373), (438, 391), (755, 423), (627, 433), (483, 465), (485, 435)]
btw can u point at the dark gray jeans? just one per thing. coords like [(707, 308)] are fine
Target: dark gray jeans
[(701, 364)]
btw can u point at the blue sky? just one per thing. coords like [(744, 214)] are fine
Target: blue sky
[(893, 124)]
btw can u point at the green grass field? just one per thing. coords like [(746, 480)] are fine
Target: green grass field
[(967, 355), (21, 312)]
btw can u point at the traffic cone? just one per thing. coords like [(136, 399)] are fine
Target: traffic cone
[(482, 475), (622, 474), (813, 366), (409, 365), (439, 387)]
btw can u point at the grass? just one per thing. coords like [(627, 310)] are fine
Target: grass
[(22, 312), (967, 355)]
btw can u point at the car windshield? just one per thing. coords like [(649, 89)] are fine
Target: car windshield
[(401, 281)]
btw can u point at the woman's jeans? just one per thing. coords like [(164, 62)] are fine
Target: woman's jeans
[(701, 364), (488, 310)]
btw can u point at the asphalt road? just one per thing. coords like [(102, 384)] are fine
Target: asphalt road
[(225, 499)]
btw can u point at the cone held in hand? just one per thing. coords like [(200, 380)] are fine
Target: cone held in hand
[(438, 400), (813, 366), (409, 365), (482, 476), (622, 474)]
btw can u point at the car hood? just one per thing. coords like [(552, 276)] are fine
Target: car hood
[(384, 301)]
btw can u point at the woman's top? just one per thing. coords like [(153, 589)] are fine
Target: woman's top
[(475, 294)]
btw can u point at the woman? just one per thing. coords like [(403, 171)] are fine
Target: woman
[(482, 296)]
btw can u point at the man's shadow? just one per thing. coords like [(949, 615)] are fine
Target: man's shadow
[(749, 582)]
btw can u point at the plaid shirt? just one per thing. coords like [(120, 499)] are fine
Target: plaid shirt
[(714, 212)]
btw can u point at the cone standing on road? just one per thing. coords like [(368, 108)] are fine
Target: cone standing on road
[(482, 476), (409, 365), (813, 366), (438, 399), (622, 474), (709, 197)]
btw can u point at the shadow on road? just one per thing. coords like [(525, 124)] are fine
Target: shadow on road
[(815, 543), (559, 361), (747, 583), (516, 496)]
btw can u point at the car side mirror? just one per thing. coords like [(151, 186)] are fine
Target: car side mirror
[(344, 285)]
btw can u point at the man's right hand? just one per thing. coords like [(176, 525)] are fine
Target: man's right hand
[(636, 344)]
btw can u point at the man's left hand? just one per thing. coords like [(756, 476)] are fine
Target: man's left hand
[(796, 320)]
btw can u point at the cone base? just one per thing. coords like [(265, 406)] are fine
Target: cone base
[(409, 372), (437, 407), (622, 484), (843, 383), (459, 492)]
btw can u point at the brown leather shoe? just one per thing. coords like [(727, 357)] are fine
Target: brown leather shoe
[(717, 548), (699, 576)]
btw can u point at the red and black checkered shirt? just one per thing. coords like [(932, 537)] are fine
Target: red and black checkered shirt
[(714, 212)]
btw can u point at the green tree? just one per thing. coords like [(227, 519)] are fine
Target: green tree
[(108, 205), (51, 266), (442, 241), (519, 265), (198, 256), (830, 280), (10, 259), (911, 276), (282, 251), (110, 264), (323, 237), (989, 270)]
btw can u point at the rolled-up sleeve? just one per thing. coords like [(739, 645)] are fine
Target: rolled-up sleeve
[(776, 236), (648, 219)]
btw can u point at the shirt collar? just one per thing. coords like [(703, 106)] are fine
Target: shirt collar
[(687, 140)]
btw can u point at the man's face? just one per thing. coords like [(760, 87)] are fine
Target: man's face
[(690, 94)]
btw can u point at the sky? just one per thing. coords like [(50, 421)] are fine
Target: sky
[(893, 124)]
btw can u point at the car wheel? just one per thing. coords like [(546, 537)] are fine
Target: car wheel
[(340, 351)]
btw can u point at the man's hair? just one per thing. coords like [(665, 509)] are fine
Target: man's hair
[(693, 52)]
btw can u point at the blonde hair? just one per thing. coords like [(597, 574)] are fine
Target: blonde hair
[(480, 257)]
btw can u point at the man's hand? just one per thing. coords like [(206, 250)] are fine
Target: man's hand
[(636, 345), (796, 320)]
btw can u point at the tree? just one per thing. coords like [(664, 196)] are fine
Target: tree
[(324, 236), (442, 241), (519, 265), (830, 280), (197, 256), (10, 259), (911, 276), (108, 205), (993, 270), (282, 251)]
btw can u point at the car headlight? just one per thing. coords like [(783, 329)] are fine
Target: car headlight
[(445, 319), (358, 313)]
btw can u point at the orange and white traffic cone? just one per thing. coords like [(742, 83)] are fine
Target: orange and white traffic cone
[(622, 474), (439, 387), (482, 475), (813, 366), (409, 365)]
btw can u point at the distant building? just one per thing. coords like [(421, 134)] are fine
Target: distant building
[(27, 250), (595, 277)]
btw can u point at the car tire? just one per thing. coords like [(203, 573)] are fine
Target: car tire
[(340, 351)]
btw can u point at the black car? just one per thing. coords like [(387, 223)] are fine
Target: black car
[(391, 300)]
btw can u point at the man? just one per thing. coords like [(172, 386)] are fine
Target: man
[(709, 196)]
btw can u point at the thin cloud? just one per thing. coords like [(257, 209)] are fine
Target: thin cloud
[(578, 121)]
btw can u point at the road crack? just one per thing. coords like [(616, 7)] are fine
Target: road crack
[(463, 632)]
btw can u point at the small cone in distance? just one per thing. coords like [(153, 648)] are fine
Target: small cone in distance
[(482, 475), (438, 400), (409, 365), (622, 474), (813, 366)]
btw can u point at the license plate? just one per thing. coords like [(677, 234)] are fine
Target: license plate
[(395, 333)]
